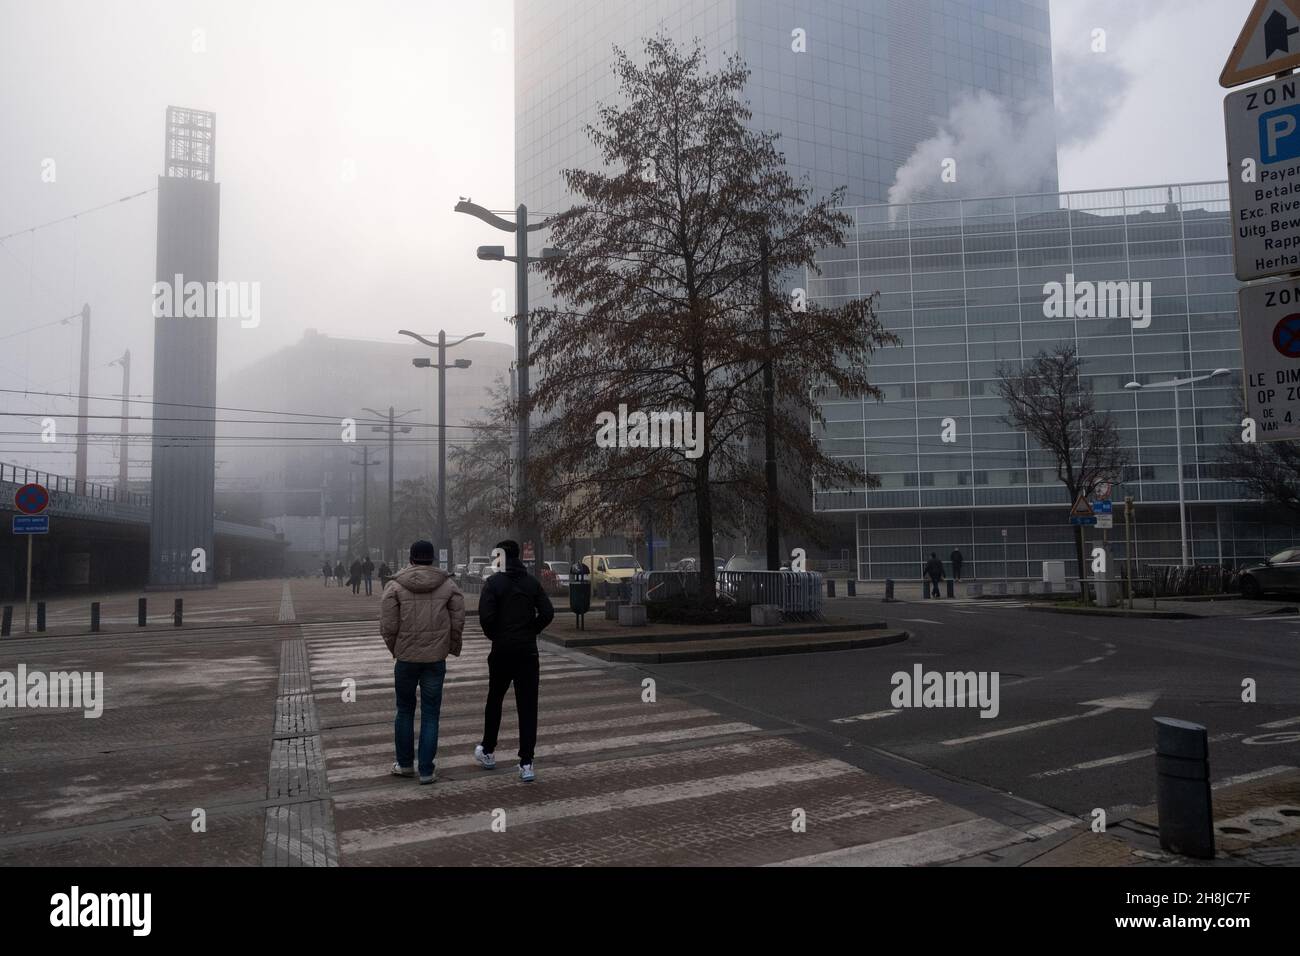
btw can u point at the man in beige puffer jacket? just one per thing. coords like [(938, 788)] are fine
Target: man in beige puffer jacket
[(421, 618)]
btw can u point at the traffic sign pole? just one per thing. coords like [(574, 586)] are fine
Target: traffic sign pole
[(27, 610)]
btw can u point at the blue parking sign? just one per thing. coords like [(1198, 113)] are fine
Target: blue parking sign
[(31, 524), (1279, 135)]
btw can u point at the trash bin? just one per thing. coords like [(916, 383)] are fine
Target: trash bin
[(579, 592)]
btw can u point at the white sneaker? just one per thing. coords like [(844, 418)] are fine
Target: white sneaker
[(485, 760), (431, 778), (400, 771), (526, 773)]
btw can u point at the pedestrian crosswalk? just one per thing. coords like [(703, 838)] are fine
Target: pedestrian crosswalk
[(624, 777)]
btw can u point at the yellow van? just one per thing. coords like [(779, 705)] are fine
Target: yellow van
[(611, 568)]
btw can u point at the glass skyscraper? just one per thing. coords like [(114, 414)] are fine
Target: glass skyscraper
[(963, 283), (873, 78)]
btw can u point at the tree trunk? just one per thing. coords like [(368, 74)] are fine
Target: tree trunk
[(704, 529)]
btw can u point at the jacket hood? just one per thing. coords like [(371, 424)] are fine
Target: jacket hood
[(420, 577)]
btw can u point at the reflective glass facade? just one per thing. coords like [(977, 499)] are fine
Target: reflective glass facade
[(963, 284)]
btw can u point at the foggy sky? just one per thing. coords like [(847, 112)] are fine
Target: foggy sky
[(417, 99)]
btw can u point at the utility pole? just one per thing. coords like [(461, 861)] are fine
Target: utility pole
[(123, 471), (769, 421), (390, 545), (365, 464), (83, 410)]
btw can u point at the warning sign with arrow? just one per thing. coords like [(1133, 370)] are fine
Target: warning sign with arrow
[(1269, 43)]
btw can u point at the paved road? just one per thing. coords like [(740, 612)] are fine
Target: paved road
[(1074, 729)]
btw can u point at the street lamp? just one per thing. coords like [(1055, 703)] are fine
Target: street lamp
[(366, 464), (1175, 384), (521, 228), (390, 547), (442, 345)]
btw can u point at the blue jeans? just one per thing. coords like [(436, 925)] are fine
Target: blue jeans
[(407, 675)]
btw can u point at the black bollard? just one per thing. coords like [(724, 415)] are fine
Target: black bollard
[(852, 586), (1183, 798), (950, 587), (830, 587), (889, 589), (178, 612), (141, 610), (94, 616), (40, 616), (7, 620)]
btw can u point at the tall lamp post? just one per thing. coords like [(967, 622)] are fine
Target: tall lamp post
[(521, 228), (1175, 384), (390, 546), (442, 345)]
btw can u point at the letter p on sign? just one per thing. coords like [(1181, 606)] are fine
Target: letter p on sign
[(1278, 141)]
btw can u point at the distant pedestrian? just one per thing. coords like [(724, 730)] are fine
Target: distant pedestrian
[(512, 610), (328, 571), (385, 572), (368, 573), (339, 571), (934, 571), (956, 560), (422, 620), (354, 575)]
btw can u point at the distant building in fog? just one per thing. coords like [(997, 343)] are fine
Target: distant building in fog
[(278, 471)]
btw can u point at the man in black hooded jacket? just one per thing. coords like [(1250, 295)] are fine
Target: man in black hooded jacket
[(512, 610)]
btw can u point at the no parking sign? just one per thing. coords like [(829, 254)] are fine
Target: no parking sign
[(1270, 351)]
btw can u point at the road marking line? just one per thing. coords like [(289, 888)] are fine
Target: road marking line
[(286, 607), (425, 831), (1023, 727), (1093, 660), (1247, 777), (1117, 759), (941, 845), (1279, 724), (921, 620), (874, 715)]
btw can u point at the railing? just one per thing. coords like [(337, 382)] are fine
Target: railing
[(61, 483), (1171, 580), (794, 592)]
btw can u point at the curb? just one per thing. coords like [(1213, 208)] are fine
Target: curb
[(1108, 612), (738, 648), (635, 635)]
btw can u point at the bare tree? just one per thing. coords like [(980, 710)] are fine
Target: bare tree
[(1269, 471), (658, 309), (1049, 400)]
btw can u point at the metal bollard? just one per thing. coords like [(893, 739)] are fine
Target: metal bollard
[(94, 616), (141, 610), (40, 616), (7, 620), (950, 587), (830, 587), (178, 612), (889, 589), (852, 586), (1183, 797)]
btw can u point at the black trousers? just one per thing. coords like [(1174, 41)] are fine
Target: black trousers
[(518, 666)]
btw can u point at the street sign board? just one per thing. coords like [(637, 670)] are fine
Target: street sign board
[(1104, 507), (1269, 43), (1079, 519), (1270, 353), (1081, 508), (1103, 490), (1263, 134), (1106, 521), (31, 524), (31, 499), (442, 556)]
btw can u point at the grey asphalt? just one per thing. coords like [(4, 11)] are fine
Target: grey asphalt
[(1049, 743)]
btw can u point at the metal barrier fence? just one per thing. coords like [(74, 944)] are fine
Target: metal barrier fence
[(1171, 580), (794, 592), (20, 475)]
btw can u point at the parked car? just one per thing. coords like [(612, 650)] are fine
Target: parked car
[(611, 568), (474, 567), (1281, 572), (561, 571)]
